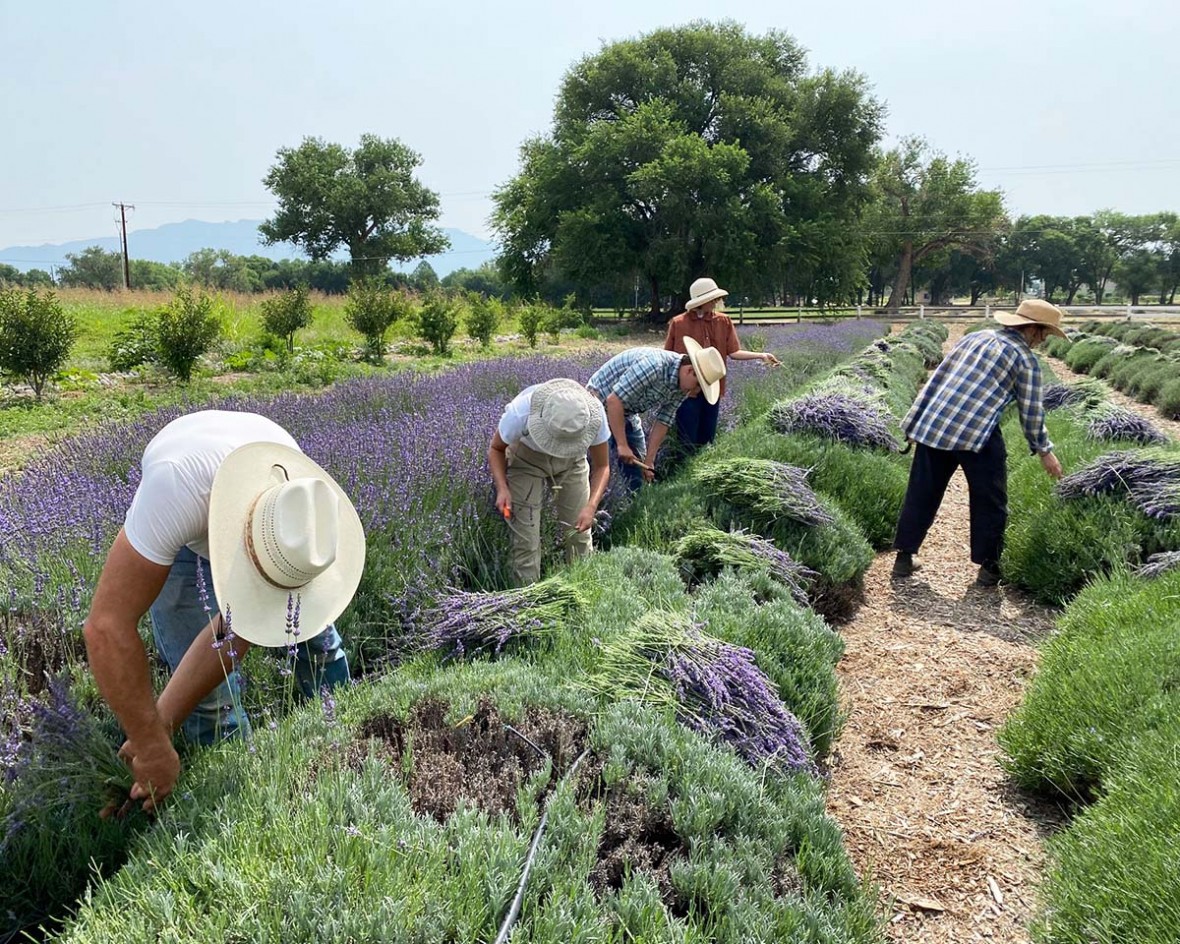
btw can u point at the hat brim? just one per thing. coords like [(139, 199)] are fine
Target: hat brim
[(257, 609), (705, 299), (710, 391), (1012, 320)]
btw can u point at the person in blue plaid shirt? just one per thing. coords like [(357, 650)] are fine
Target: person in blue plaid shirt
[(955, 422), (646, 378)]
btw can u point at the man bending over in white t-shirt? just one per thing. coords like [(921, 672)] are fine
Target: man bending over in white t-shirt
[(234, 537)]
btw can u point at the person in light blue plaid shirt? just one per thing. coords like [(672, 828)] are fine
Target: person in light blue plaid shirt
[(955, 422), (646, 378)]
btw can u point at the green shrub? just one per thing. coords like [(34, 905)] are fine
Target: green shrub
[(1111, 673), (135, 344), (185, 329), (1148, 384), (1112, 874), (1057, 347), (587, 332), (1085, 354), (36, 336), (483, 317), (371, 310), (1168, 399), (286, 313), (438, 319), (531, 318)]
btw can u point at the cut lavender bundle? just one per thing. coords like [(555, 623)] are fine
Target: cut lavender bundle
[(767, 489), (1158, 564), (466, 623), (1087, 393), (1112, 422), (1124, 471), (857, 421), (704, 552), (714, 688), (1159, 500)]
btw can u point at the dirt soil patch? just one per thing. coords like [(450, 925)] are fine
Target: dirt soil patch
[(637, 837), (481, 760), (932, 667)]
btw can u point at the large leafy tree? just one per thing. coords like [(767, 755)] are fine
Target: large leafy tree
[(93, 267), (691, 151), (366, 199), (927, 204), (1050, 248)]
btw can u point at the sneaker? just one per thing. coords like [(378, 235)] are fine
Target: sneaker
[(987, 576), (905, 565)]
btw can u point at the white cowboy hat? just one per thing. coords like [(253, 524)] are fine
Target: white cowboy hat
[(281, 531), (564, 418), (702, 291), (709, 366), (1034, 311)]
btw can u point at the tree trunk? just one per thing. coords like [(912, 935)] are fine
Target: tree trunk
[(1073, 290), (654, 313), (1099, 291), (901, 283)]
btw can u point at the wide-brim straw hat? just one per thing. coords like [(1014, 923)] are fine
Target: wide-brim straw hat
[(709, 366), (286, 546), (701, 292), (1034, 311), (564, 418)]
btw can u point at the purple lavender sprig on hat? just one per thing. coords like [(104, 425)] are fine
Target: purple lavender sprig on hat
[(714, 688), (768, 490), (857, 421), (463, 623)]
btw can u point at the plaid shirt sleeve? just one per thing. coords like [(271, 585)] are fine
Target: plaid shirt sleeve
[(666, 412), (1030, 403)]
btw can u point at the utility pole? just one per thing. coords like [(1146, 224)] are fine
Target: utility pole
[(126, 261)]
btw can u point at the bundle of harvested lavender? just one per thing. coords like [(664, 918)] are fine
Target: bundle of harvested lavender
[(858, 421), (704, 551), (714, 688), (465, 623), (1112, 422), (768, 490)]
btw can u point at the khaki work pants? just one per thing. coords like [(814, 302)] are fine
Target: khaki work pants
[(528, 472)]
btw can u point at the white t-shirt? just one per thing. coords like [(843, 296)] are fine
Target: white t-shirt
[(170, 509), (514, 424)]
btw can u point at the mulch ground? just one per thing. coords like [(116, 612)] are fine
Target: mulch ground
[(932, 669)]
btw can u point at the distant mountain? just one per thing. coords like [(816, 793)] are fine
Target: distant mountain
[(173, 242)]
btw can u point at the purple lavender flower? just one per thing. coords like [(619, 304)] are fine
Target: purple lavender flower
[(1117, 423), (704, 551), (768, 490)]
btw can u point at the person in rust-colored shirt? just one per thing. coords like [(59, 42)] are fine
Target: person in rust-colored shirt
[(696, 420)]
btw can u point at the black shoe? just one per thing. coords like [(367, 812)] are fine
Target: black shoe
[(905, 565), (987, 576)]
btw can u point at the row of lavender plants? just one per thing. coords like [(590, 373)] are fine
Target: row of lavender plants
[(1141, 360), (410, 451), (1101, 717)]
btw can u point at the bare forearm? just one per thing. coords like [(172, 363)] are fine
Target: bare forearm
[(119, 662), (599, 476), (498, 463), (658, 432), (201, 670), (616, 418)]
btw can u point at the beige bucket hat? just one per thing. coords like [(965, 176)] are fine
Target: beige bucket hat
[(281, 531), (564, 418), (1034, 311), (709, 366)]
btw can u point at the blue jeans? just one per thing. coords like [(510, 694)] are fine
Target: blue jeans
[(632, 475), (178, 617)]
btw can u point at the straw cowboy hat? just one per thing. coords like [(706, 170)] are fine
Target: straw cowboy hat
[(701, 292), (281, 531), (1034, 311), (564, 418), (709, 366)]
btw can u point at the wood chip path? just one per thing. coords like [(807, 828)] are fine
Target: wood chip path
[(932, 668)]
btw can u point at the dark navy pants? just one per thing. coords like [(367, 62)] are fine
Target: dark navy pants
[(696, 423), (987, 485)]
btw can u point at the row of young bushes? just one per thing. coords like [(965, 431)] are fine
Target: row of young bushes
[(1142, 361), (1101, 719), (244, 830)]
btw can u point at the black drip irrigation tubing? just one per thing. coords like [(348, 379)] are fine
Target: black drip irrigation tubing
[(518, 899)]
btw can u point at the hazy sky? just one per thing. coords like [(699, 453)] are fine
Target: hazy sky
[(1068, 106)]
